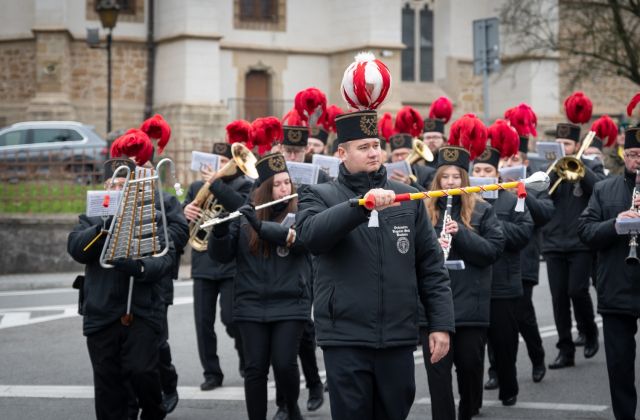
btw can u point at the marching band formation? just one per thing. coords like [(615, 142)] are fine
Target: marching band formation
[(414, 237)]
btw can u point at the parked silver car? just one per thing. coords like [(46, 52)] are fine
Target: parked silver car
[(54, 148)]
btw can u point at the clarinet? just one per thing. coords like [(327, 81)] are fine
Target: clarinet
[(632, 258), (443, 235)]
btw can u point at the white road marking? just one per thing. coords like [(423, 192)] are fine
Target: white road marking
[(180, 283), (534, 405)]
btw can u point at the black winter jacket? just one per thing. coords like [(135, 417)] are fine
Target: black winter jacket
[(266, 289), (517, 228), (369, 280), (618, 284), (179, 233), (560, 234), (541, 209), (231, 196)]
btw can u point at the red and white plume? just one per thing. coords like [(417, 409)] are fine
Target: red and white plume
[(409, 120), (310, 102), (578, 107), (385, 126), (157, 129), (632, 104), (606, 130), (328, 119), (441, 109), (134, 144), (504, 138), (469, 132), (293, 117), (523, 119), (264, 131), (239, 131), (366, 82)]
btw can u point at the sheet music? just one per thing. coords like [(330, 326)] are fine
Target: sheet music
[(95, 200), (329, 164), (454, 265), (402, 166), (490, 195), (550, 150), (514, 173), (201, 159), (628, 226), (303, 173), (288, 220)]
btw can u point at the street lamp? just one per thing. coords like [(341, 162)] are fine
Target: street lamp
[(108, 11)]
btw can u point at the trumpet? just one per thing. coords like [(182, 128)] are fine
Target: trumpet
[(571, 168), (211, 223), (632, 258), (443, 235), (243, 160), (419, 151)]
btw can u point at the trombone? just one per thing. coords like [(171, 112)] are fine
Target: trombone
[(571, 168)]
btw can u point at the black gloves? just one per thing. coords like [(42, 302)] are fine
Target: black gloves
[(249, 212), (129, 266)]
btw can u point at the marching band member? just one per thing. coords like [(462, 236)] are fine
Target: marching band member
[(477, 239), (568, 259), (271, 300), (369, 278), (506, 284), (440, 113)]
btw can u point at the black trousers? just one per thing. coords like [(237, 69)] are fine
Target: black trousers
[(367, 383), (503, 338), (620, 348), (205, 297), (528, 326), (122, 357), (275, 343), (569, 283), (168, 374), (467, 353), (308, 362)]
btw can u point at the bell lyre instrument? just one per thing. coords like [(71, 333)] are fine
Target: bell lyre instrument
[(632, 258), (134, 232), (444, 235), (571, 168), (242, 160), (211, 223)]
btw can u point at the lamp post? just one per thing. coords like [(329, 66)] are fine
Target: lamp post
[(108, 11)]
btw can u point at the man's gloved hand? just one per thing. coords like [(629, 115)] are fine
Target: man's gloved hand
[(249, 212), (129, 266)]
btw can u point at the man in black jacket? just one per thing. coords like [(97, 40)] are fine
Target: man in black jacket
[(212, 278), (372, 268), (433, 137), (568, 259), (618, 283), (401, 148)]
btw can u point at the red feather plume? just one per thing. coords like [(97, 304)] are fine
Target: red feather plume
[(308, 101), (264, 131), (523, 119), (409, 120), (605, 129), (157, 129), (578, 107), (632, 104), (441, 108), (135, 144), (293, 117), (469, 132), (504, 138), (385, 126), (328, 119), (239, 131)]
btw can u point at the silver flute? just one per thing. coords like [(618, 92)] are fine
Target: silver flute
[(443, 235)]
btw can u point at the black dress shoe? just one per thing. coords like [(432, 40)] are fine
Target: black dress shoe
[(510, 401), (591, 347), (538, 372), (316, 397), (281, 414), (210, 384), (170, 401), (562, 361), (492, 383), (580, 340)]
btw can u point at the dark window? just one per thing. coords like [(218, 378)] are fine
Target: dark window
[(259, 10), (49, 135), (408, 54), (426, 45), (126, 6), (13, 138)]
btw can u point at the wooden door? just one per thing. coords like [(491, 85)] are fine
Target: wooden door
[(257, 95)]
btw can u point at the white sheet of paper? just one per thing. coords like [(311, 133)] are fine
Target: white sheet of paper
[(95, 200), (454, 265), (550, 150), (329, 164), (201, 159), (288, 220), (514, 173), (401, 166), (627, 226), (491, 195), (303, 173)]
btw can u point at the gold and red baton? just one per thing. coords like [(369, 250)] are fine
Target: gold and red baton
[(538, 181)]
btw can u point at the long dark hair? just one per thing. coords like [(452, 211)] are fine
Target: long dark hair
[(468, 200), (261, 195)]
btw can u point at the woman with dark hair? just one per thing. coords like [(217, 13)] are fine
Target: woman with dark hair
[(271, 302), (476, 239)]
